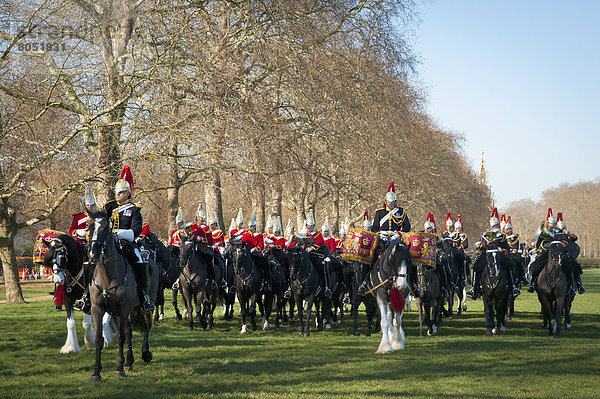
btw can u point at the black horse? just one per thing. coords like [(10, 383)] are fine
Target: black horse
[(227, 294), (248, 282), (454, 261), (167, 262), (306, 285), (358, 271), (66, 258), (551, 287), (430, 301), (519, 263), (194, 284), (278, 263), (114, 290), (494, 289)]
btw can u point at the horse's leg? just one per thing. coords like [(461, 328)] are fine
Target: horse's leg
[(201, 307), (174, 302), (268, 305), (398, 338), (107, 330), (97, 315), (421, 317), (146, 354), (71, 344), (308, 303), (128, 337), (384, 345), (300, 307), (370, 311), (254, 299), (489, 315), (243, 309), (451, 304), (89, 338), (354, 313), (121, 338), (560, 303)]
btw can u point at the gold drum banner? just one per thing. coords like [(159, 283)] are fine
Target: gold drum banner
[(422, 247), (39, 250), (360, 246)]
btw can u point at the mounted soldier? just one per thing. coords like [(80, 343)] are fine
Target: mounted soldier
[(80, 224), (254, 242), (127, 224), (239, 225), (440, 267), (339, 243), (545, 234), (203, 236), (495, 238), (389, 222), (318, 251), (217, 233)]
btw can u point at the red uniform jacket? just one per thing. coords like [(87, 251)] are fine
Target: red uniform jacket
[(319, 239), (175, 240), (218, 238), (330, 242), (81, 221), (202, 234), (339, 243), (145, 230), (278, 242)]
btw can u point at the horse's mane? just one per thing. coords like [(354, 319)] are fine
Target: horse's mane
[(74, 251)]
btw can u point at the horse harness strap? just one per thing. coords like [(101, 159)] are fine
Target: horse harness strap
[(116, 285), (377, 286)]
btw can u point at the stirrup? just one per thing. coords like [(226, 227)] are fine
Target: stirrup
[(572, 291), (472, 294), (462, 283), (516, 292), (453, 287), (287, 294), (531, 289), (581, 289), (214, 285), (147, 305), (223, 283), (175, 285), (417, 293), (445, 292)]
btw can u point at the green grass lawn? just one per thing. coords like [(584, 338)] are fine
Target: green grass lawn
[(460, 362), (31, 288)]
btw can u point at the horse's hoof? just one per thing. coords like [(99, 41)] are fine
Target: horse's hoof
[(356, 334), (178, 317), (450, 317), (190, 328), (95, 378), (120, 373), (147, 357), (368, 334), (488, 332), (128, 369)]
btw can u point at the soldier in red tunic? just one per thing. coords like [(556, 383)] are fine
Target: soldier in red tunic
[(217, 234), (81, 221), (318, 252)]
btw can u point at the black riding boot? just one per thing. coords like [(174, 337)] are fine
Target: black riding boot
[(571, 282), (147, 304), (450, 283), (223, 282), (268, 287), (328, 292), (474, 292), (210, 268), (443, 280), (579, 284), (83, 304), (511, 283)]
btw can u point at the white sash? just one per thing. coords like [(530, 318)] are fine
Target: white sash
[(84, 220), (386, 217), (124, 207)]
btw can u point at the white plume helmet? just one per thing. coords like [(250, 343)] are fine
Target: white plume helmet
[(502, 221), (88, 197), (214, 219), (290, 228), (310, 221), (233, 225), (252, 221), (325, 226), (449, 221), (277, 226), (508, 226), (179, 217), (200, 212), (240, 218), (458, 224), (270, 224), (391, 196), (560, 223), (303, 229)]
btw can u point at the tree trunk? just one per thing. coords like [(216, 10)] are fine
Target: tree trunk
[(214, 198), (10, 268), (174, 186), (336, 212)]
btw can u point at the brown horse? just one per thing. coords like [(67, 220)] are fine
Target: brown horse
[(114, 290), (552, 288)]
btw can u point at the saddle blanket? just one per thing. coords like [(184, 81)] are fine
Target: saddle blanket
[(360, 246)]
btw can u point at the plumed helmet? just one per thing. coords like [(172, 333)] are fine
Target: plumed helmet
[(125, 183), (214, 219), (508, 226), (366, 222), (310, 221), (290, 228), (391, 196), (458, 225), (502, 221), (232, 226), (494, 218), (252, 221), (200, 212), (179, 217), (325, 226), (277, 226), (303, 229), (270, 224), (430, 223), (550, 219), (240, 218), (560, 223), (449, 222), (88, 197)]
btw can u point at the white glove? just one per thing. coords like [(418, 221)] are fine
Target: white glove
[(125, 234), (80, 233), (57, 278), (255, 249), (309, 249)]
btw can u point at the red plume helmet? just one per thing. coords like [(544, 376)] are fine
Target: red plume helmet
[(458, 225), (128, 177), (494, 217), (430, 222), (559, 217), (366, 221), (449, 221), (549, 213), (391, 193)]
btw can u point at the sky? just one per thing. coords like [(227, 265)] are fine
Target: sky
[(520, 78)]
